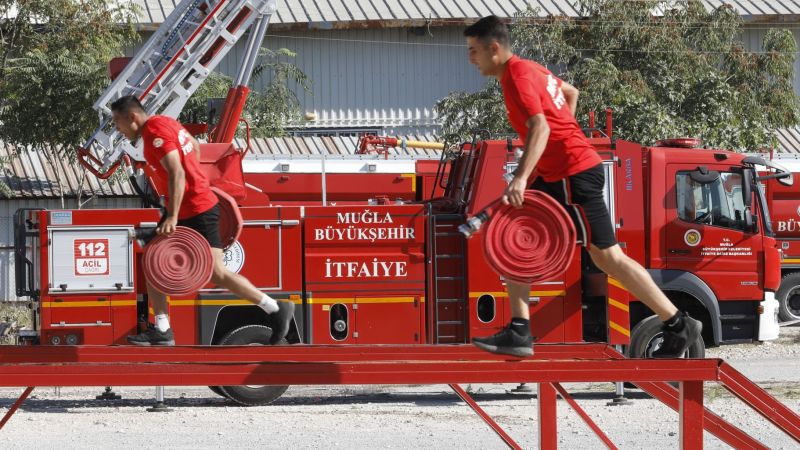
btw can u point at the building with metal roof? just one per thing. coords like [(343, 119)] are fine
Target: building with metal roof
[(327, 14)]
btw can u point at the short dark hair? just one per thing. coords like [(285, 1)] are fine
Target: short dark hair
[(124, 105), (488, 29)]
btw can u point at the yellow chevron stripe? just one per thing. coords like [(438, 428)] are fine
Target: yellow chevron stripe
[(619, 305), (88, 304), (619, 328), (790, 261), (616, 283)]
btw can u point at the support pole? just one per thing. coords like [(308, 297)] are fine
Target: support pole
[(160, 406), (486, 417), (16, 406), (691, 415), (548, 429)]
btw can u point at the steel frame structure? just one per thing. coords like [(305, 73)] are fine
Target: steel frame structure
[(553, 364)]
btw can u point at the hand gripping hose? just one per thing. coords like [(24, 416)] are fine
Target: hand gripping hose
[(178, 264), (528, 244), (230, 218)]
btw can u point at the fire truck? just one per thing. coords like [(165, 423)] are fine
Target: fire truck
[(784, 202), (368, 246)]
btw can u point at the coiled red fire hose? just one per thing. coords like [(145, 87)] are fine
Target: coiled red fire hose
[(230, 218), (178, 264), (532, 243)]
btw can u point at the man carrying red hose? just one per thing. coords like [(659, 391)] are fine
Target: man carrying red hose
[(541, 108), (172, 154)]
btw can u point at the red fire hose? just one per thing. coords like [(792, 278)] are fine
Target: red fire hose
[(528, 244), (179, 264), (230, 218)]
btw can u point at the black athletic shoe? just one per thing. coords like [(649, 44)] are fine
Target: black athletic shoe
[(282, 319), (153, 336), (506, 342), (676, 343)]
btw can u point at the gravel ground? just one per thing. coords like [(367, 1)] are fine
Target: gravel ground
[(388, 416)]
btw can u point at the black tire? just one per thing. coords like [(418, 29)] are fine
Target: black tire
[(646, 337), (788, 297), (217, 390), (251, 395)]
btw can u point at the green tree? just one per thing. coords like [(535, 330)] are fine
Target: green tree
[(53, 65), (268, 111), (667, 69)]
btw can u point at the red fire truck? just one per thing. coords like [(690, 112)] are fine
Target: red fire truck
[(368, 246), (784, 202)]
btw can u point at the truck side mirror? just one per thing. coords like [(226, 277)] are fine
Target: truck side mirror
[(747, 187), (704, 176)]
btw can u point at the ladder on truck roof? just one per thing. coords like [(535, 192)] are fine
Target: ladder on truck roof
[(173, 63)]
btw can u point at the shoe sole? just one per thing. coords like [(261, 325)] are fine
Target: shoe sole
[(155, 344), (521, 352)]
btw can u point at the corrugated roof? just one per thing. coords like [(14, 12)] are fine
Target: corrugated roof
[(336, 145), (338, 13), (789, 140), (29, 175)]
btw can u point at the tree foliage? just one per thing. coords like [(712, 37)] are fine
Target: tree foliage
[(667, 69), (268, 111), (53, 65)]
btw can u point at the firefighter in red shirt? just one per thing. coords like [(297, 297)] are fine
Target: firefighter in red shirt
[(173, 156), (541, 108)]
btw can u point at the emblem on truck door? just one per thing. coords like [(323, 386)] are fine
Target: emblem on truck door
[(234, 257), (692, 238)]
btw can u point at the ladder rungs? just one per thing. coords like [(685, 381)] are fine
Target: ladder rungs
[(451, 256), (450, 300), (450, 322), (449, 278), (449, 233)]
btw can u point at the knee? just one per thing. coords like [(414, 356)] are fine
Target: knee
[(218, 276), (609, 260)]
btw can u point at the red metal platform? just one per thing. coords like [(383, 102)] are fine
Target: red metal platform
[(440, 364)]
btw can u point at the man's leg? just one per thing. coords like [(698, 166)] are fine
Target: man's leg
[(516, 339), (680, 330), (243, 288), (161, 333), (635, 279)]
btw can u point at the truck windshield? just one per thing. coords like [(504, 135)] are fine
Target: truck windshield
[(719, 203)]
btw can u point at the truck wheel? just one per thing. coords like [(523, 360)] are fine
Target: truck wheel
[(218, 391), (788, 297), (250, 395), (646, 337)]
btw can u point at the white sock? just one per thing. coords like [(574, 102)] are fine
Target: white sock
[(162, 322), (268, 304)]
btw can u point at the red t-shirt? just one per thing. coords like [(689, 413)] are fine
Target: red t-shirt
[(162, 135), (530, 89)]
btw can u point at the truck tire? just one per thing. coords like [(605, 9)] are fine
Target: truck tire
[(646, 337), (788, 297), (250, 395), (218, 391)]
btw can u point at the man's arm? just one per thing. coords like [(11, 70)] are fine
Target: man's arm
[(571, 94), (177, 184), (538, 133)]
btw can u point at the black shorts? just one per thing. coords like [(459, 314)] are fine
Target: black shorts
[(582, 196), (207, 224)]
